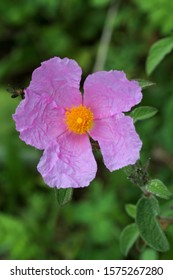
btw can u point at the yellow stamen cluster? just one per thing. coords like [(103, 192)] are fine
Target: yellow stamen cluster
[(79, 119)]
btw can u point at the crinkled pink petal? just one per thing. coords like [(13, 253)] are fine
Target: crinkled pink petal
[(119, 143), (39, 120), (58, 78), (109, 93), (69, 163)]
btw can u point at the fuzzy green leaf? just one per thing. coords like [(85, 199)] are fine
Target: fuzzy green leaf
[(142, 113), (157, 187), (157, 52), (144, 84), (63, 196), (131, 210), (128, 238), (148, 225)]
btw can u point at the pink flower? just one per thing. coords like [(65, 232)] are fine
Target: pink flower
[(57, 118)]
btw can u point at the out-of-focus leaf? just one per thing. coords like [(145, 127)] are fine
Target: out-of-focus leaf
[(149, 254), (128, 238), (159, 14), (95, 214), (131, 210), (63, 196), (148, 225), (143, 113), (157, 52), (157, 187)]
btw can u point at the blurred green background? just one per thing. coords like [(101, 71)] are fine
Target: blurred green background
[(32, 225)]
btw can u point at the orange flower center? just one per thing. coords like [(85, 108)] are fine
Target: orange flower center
[(79, 119)]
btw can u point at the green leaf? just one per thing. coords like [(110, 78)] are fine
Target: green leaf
[(131, 210), (157, 187), (148, 225), (63, 196), (128, 238), (142, 113), (144, 84), (157, 52)]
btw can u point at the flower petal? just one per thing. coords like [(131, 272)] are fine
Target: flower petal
[(109, 93), (69, 163), (60, 79), (39, 120), (119, 143)]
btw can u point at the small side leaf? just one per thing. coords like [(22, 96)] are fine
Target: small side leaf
[(131, 210), (148, 225), (144, 84), (142, 113), (157, 187), (63, 196), (128, 237), (157, 52)]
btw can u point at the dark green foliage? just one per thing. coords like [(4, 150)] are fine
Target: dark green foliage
[(32, 225)]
